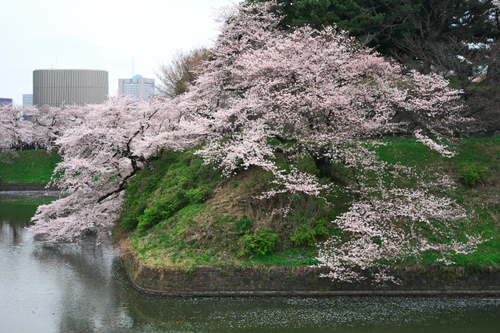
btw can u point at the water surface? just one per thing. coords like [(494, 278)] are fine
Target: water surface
[(58, 287)]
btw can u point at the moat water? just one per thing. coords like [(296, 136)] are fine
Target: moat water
[(58, 287)]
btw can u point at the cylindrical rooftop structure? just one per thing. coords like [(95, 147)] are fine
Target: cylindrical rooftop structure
[(70, 86)]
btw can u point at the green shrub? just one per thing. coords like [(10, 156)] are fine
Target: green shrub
[(130, 221), (263, 242), (470, 172), (167, 205), (321, 229), (181, 178), (198, 195), (154, 214), (242, 225), (307, 235)]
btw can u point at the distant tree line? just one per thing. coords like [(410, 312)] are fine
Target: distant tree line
[(20, 146)]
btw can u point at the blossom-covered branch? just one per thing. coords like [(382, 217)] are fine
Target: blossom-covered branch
[(106, 145)]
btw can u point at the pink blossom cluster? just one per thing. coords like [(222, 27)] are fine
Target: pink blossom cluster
[(395, 213), (294, 182), (433, 145), (13, 126)]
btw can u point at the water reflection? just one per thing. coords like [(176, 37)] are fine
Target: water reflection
[(60, 287)]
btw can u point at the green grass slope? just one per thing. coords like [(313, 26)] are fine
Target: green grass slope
[(30, 166), (181, 213)]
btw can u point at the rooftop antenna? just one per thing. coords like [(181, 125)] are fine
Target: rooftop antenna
[(132, 67)]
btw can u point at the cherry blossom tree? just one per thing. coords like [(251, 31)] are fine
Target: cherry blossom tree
[(266, 91), (106, 145), (314, 92), (13, 126), (319, 90), (318, 93)]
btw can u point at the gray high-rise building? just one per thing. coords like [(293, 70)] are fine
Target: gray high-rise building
[(137, 87), (70, 86)]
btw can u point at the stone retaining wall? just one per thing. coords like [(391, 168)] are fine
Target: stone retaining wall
[(305, 281), (25, 187)]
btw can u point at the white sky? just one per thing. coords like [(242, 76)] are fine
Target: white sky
[(97, 34)]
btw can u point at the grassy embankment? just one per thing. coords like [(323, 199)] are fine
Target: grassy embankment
[(30, 166), (180, 213)]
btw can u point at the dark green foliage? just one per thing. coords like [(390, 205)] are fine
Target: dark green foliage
[(345, 14), (173, 181), (377, 22), (386, 24), (263, 242), (308, 236), (242, 225), (470, 172)]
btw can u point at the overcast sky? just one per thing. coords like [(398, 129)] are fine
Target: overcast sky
[(97, 34)]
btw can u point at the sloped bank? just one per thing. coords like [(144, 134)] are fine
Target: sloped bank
[(180, 210), (305, 281)]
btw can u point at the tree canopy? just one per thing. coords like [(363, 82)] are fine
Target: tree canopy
[(455, 38), (182, 72), (387, 24)]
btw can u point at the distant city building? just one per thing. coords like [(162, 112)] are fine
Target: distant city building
[(27, 99), (137, 87), (70, 86), (5, 101)]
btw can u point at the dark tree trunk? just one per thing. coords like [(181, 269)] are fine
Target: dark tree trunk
[(326, 170)]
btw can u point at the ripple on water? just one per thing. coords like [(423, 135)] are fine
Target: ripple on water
[(334, 314)]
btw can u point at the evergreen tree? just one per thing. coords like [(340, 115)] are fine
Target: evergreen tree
[(388, 25)]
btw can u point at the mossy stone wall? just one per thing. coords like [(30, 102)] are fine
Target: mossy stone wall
[(305, 281)]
